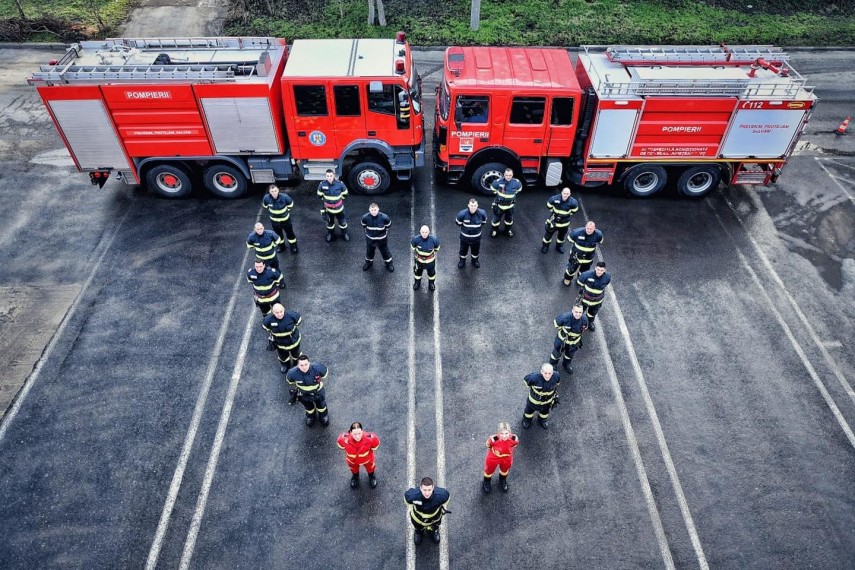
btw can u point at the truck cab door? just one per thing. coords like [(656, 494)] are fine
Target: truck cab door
[(472, 122), (384, 120), (526, 132), (349, 118), (313, 123), (562, 127)]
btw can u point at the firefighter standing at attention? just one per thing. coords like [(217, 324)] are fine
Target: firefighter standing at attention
[(562, 206), (265, 243), (427, 506), (424, 247), (505, 190), (278, 205), (471, 221), (592, 290), (333, 193), (500, 453), (568, 338), (542, 395), (376, 225), (359, 447), (285, 334), (585, 241), (266, 283), (306, 382)]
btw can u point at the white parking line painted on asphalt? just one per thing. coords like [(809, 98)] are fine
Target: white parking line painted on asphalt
[(795, 306), (658, 530), (202, 501), (657, 428), (193, 429), (834, 179), (411, 394), (438, 398), (795, 343), (104, 246)]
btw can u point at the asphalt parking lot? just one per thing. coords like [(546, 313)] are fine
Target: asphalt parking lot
[(708, 423)]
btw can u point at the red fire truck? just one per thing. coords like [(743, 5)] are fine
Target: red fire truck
[(632, 115), (230, 111)]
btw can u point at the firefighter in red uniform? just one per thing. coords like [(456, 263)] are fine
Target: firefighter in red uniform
[(359, 447), (500, 453)]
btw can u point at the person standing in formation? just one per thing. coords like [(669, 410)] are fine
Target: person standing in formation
[(425, 245), (562, 206), (283, 328), (306, 381), (592, 290), (568, 338), (359, 447), (500, 453), (585, 241), (266, 282), (376, 225), (427, 507), (332, 193), (471, 221), (278, 205), (265, 243), (505, 190), (542, 395)]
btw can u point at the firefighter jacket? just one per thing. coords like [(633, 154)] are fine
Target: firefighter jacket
[(584, 245), (593, 288), (376, 227), (425, 248), (309, 382), (541, 391), (266, 284), (264, 244), (562, 210), (285, 332), (279, 210), (503, 448), (506, 192), (426, 512), (359, 452), (471, 224), (332, 195), (570, 328)]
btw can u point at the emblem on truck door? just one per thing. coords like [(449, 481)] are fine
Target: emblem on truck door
[(317, 138)]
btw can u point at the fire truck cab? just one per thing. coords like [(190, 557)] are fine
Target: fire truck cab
[(234, 110), (503, 108)]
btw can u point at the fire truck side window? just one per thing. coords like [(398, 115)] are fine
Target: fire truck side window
[(347, 100), (528, 110), (472, 109), (311, 100), (382, 101), (444, 102), (562, 111)]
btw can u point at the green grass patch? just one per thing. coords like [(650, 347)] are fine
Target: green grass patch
[(88, 18), (557, 22)]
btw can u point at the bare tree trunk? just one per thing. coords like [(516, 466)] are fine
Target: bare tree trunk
[(370, 12), (475, 16), (20, 9), (381, 13), (341, 8)]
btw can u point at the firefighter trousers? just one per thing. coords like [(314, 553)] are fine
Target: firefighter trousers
[(372, 245), (354, 467), (470, 245), (542, 409), (592, 309), (551, 228), (333, 219), (562, 349), (289, 354), (313, 402), (576, 263), (492, 461), (433, 525), (285, 230), (420, 268), (265, 306), (506, 214)]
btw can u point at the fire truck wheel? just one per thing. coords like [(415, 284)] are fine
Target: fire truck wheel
[(369, 178), (697, 181), (645, 180), (485, 175), (225, 181), (169, 181)]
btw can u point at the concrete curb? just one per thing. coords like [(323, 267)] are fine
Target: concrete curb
[(34, 45)]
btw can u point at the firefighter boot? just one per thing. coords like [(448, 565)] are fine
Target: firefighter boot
[(417, 535), (544, 423), (559, 247), (591, 326), (475, 263), (330, 236), (435, 536), (431, 286), (367, 265), (372, 481), (310, 420), (462, 263), (510, 232), (354, 481), (503, 483), (526, 423), (487, 484), (390, 267), (544, 248), (294, 248), (344, 235), (417, 284)]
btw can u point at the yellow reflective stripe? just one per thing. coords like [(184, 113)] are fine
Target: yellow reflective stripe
[(424, 518), (364, 454), (265, 298), (289, 346), (263, 288), (584, 248)]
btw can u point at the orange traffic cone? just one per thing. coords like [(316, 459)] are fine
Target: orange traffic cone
[(841, 130)]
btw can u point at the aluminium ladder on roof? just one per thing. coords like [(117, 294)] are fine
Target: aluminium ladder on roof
[(695, 55)]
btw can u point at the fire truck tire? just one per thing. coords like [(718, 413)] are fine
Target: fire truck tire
[(484, 176), (369, 178), (225, 181), (698, 181), (645, 180), (169, 181)]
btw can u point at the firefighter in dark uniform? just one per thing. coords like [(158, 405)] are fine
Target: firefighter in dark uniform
[(333, 193), (424, 247), (285, 334), (306, 382), (585, 241), (568, 338), (427, 506), (562, 206), (376, 225), (278, 205), (592, 288), (471, 221), (265, 243), (266, 283), (542, 395), (505, 190)]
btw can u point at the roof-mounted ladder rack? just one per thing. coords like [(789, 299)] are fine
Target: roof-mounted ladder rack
[(693, 55)]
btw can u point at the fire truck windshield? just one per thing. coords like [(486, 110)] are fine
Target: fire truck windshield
[(416, 90), (444, 101)]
